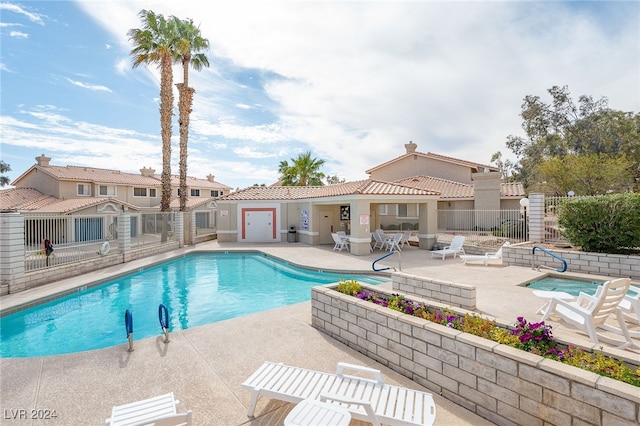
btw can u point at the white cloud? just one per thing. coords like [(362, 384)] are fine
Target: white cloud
[(94, 87), (18, 34), (33, 17)]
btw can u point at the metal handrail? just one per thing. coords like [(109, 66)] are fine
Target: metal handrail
[(555, 256), (373, 264)]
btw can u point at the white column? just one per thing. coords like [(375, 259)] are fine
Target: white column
[(536, 218), (11, 252)]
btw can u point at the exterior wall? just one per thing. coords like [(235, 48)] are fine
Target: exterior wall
[(42, 182), (486, 188), (227, 221), (416, 164), (612, 265), (505, 385)]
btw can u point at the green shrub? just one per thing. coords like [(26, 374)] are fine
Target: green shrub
[(602, 224), (350, 287)]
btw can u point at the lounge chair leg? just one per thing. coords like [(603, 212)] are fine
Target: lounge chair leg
[(252, 403)]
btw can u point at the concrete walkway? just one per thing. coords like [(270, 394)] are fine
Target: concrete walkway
[(204, 366)]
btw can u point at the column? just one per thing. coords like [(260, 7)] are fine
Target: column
[(428, 224), (11, 252), (536, 218), (360, 238)]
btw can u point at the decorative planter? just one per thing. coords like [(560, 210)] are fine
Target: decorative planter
[(502, 384)]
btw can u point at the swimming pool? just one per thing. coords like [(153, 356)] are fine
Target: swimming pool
[(197, 289), (568, 285)]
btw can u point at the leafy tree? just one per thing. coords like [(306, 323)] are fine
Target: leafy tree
[(154, 44), (4, 168), (188, 51), (332, 180), (563, 128), (304, 171)]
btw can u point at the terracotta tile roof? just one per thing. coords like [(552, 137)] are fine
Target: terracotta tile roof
[(446, 188), (431, 155), (191, 202), (193, 182), (23, 199), (91, 174), (451, 189), (364, 187), (71, 205)]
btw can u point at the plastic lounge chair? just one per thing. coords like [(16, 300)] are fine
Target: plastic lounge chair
[(159, 411), (454, 248), (405, 238), (485, 258), (340, 243), (393, 242), (378, 239), (588, 313), (366, 399)]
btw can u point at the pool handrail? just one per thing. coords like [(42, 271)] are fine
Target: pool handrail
[(163, 317), (550, 253), (373, 264), (128, 325)]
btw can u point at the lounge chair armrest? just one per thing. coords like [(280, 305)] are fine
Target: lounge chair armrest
[(346, 366), (582, 297)]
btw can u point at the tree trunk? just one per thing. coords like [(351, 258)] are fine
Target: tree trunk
[(184, 106), (166, 112)]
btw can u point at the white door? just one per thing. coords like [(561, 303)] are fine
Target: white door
[(259, 226)]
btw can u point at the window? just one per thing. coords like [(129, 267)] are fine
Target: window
[(214, 193), (408, 210), (195, 192), (139, 192), (152, 193), (84, 189), (383, 210), (107, 190)]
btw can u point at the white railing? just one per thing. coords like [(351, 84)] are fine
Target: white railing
[(73, 237), (482, 226)]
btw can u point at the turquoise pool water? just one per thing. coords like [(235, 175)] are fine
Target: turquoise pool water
[(197, 289), (571, 286)]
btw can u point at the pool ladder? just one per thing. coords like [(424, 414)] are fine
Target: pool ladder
[(555, 256), (373, 265), (163, 317)]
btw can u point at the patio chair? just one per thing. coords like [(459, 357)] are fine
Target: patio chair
[(485, 258), (588, 313), (393, 242), (378, 239), (340, 243), (367, 399), (158, 411), (454, 248), (405, 238)]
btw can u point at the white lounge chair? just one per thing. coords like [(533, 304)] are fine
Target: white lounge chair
[(393, 242), (366, 399), (405, 238), (588, 313), (454, 248), (378, 239), (484, 258), (340, 243), (158, 411)]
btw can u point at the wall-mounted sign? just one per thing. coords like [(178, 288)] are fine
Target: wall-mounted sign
[(345, 212)]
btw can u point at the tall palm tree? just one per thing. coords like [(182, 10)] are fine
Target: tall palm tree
[(154, 44), (304, 171), (187, 50)]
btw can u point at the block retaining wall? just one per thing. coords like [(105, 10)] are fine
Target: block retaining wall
[(505, 385), (449, 293), (612, 265)]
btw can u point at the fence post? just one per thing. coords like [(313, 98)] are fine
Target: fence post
[(179, 228), (12, 253), (124, 236), (536, 217)]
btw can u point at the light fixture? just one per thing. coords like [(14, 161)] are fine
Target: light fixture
[(524, 202)]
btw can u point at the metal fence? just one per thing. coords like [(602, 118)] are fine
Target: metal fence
[(483, 227), (76, 238)]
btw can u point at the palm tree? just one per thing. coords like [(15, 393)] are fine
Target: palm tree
[(4, 168), (153, 44), (187, 50), (304, 171)]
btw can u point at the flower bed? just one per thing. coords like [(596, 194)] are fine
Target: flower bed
[(498, 382)]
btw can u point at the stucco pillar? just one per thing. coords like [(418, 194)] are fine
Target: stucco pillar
[(536, 218), (124, 235), (486, 197), (179, 227), (360, 238), (11, 252), (428, 224)]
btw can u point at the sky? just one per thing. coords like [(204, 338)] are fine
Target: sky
[(349, 81)]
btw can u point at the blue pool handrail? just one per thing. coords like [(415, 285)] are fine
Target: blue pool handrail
[(373, 265), (555, 256), (128, 325), (163, 317)]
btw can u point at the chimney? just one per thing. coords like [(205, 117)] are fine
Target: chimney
[(410, 147), (147, 171), (210, 177), (43, 161)]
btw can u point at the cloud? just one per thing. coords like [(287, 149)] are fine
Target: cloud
[(18, 34), (94, 87), (33, 17)]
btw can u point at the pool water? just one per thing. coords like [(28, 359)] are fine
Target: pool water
[(573, 287), (197, 289)]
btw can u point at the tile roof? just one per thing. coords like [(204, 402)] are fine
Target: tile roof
[(451, 189), (71, 205), (362, 187), (431, 155), (23, 199)]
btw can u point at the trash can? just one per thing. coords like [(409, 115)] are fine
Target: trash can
[(291, 236)]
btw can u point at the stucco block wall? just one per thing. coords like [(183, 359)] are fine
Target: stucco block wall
[(612, 265), (502, 384), (448, 293)]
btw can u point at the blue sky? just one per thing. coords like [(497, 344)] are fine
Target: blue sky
[(352, 82)]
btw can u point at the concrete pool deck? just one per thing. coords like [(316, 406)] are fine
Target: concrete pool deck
[(204, 366)]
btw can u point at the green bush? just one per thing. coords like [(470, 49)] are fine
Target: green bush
[(602, 224), (350, 287)]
